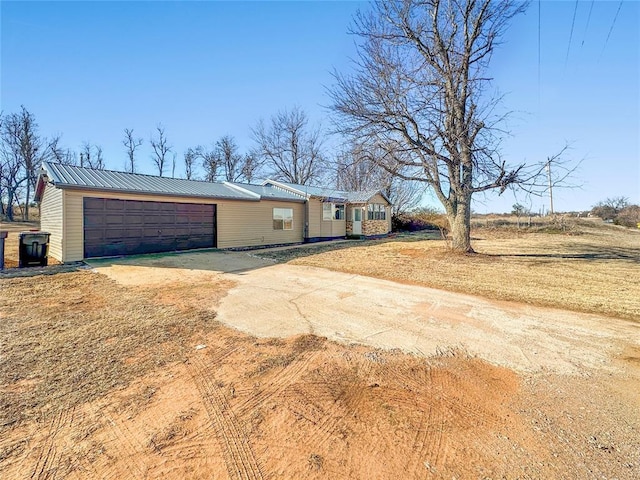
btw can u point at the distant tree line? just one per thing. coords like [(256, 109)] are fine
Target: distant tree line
[(285, 147), (617, 210)]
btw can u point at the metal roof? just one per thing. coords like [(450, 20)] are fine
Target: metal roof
[(329, 193), (67, 176), (269, 193)]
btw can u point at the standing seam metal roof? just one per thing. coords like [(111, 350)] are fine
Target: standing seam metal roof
[(332, 194), (270, 193), (86, 178)]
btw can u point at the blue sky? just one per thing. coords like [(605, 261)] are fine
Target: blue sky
[(87, 70)]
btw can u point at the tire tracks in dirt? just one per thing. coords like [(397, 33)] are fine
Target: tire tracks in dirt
[(277, 384), (238, 455), (46, 463), (126, 440)]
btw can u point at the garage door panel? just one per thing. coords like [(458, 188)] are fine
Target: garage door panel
[(149, 232), (115, 205), (92, 234), (124, 227), (114, 233), (93, 220), (166, 232), (133, 219), (93, 203), (199, 231), (185, 207), (114, 219)]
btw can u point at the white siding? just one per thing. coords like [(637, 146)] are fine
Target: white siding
[(51, 220)]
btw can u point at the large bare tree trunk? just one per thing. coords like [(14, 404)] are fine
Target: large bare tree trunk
[(460, 223)]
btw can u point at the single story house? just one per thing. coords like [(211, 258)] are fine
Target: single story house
[(100, 213), (332, 213)]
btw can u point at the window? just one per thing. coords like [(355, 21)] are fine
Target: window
[(332, 211), (376, 211), (327, 211), (283, 218)]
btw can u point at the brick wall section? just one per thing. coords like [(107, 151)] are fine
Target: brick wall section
[(349, 227), (374, 227)]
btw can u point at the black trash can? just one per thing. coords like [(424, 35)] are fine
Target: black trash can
[(3, 235), (34, 249)]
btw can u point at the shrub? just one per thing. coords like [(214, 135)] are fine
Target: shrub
[(628, 216), (420, 219)]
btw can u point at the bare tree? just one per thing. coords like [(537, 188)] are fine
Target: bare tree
[(420, 88), (222, 162), (290, 150), (12, 176), (91, 156), (131, 143), (210, 163), (174, 156), (190, 157), (98, 163), (610, 208), (58, 154), (161, 149), (229, 158), (358, 169), (22, 153), (251, 167), (2, 168)]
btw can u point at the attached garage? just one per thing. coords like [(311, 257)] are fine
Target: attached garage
[(99, 213), (127, 227)]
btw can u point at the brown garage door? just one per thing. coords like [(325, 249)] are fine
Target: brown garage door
[(127, 227)]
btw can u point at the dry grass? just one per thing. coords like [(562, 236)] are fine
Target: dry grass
[(70, 338), (305, 407), (577, 267)]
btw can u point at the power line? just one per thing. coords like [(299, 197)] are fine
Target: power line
[(611, 29), (573, 22), (584, 35)]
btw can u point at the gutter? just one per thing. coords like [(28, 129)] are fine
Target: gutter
[(65, 186)]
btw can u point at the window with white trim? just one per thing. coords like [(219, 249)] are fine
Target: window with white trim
[(283, 218), (332, 211), (376, 211)]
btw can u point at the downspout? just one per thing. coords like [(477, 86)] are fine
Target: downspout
[(306, 221)]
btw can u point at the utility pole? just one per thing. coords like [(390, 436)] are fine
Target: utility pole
[(550, 186)]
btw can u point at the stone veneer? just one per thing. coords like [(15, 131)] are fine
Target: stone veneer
[(349, 227), (370, 227), (375, 227)]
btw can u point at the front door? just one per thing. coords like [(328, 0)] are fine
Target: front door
[(356, 229)]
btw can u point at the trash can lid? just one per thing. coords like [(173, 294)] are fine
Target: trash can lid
[(37, 236)]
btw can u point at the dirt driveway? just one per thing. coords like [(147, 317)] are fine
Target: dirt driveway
[(131, 374), (281, 300)]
